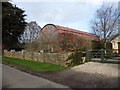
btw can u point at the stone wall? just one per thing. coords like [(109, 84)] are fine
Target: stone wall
[(55, 58)]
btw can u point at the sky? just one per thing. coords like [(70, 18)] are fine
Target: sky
[(75, 14)]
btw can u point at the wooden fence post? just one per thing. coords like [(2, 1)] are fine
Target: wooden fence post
[(12, 53), (4, 51), (32, 55), (102, 55), (87, 54), (23, 54), (37, 56)]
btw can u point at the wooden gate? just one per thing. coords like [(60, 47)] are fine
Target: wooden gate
[(107, 56)]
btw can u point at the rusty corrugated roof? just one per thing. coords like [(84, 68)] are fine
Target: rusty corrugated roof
[(73, 30), (96, 38)]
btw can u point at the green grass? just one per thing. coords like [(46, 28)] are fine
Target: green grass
[(34, 65)]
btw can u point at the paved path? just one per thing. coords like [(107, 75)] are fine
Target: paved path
[(13, 78)]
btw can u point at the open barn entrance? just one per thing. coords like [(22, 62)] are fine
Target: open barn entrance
[(119, 47)]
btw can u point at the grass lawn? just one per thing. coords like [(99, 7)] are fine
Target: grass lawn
[(34, 65)]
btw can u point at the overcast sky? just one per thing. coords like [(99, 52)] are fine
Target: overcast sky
[(74, 14)]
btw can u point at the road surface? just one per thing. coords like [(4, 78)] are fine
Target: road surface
[(13, 78)]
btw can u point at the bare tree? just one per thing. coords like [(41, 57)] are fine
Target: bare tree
[(31, 32), (67, 41), (72, 42), (106, 21), (48, 40), (83, 42), (54, 41)]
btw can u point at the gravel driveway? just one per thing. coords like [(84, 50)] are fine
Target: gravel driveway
[(88, 75)]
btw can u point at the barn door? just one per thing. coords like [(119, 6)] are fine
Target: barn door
[(119, 47)]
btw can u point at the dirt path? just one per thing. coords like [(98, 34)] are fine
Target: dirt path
[(89, 75)]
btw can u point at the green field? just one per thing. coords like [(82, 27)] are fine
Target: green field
[(34, 65)]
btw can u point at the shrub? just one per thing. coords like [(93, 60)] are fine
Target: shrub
[(76, 58)]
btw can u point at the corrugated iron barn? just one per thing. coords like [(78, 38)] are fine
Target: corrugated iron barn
[(66, 37), (60, 29)]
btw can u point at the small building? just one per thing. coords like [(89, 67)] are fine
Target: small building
[(115, 40)]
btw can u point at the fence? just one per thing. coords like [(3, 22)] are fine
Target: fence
[(110, 55), (55, 58)]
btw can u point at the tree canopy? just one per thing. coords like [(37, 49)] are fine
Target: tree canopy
[(13, 24), (105, 23)]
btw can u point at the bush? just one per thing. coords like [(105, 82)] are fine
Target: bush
[(76, 58)]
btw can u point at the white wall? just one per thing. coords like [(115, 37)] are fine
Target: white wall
[(115, 42)]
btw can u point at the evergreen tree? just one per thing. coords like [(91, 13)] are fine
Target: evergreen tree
[(13, 25)]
